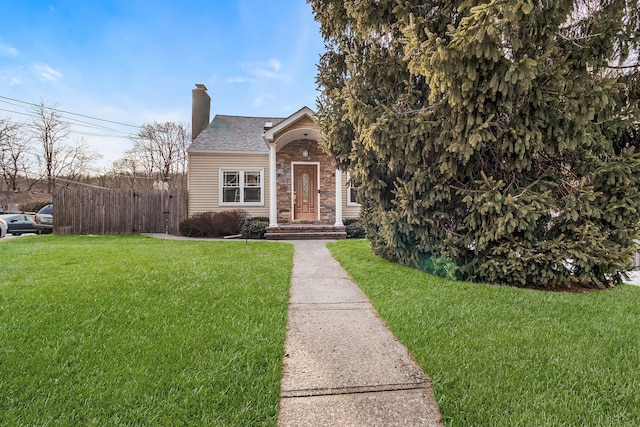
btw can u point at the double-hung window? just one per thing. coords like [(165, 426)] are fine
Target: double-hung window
[(241, 187), (351, 192)]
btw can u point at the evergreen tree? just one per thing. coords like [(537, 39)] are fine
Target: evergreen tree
[(501, 135)]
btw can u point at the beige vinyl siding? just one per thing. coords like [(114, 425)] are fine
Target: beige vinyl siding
[(348, 211), (204, 180)]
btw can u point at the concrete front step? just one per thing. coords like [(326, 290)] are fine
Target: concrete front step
[(306, 236), (306, 232)]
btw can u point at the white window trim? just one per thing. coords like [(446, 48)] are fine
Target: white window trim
[(349, 187), (242, 171)]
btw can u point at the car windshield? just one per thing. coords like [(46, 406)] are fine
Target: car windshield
[(46, 210)]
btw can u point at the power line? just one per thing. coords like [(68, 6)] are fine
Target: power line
[(76, 122), (100, 134), (17, 112), (70, 112), (91, 125)]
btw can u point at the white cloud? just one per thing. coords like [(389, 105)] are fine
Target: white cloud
[(269, 69), (8, 50), (13, 76), (259, 100), (255, 71), (275, 64), (238, 80), (46, 73)]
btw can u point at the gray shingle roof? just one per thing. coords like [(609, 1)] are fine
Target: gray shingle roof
[(233, 133)]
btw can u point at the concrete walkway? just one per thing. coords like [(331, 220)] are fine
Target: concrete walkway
[(342, 365)]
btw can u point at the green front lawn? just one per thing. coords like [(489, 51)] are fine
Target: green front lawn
[(500, 356), (130, 330)]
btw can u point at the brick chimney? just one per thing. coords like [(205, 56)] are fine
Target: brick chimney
[(200, 110)]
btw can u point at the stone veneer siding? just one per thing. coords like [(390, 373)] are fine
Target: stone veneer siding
[(292, 152)]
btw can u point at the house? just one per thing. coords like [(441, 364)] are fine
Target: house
[(270, 167)]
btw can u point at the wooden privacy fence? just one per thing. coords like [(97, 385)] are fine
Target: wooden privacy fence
[(115, 211)]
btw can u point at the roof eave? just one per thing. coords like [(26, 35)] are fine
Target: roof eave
[(236, 152)]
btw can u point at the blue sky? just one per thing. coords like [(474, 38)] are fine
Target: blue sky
[(136, 61)]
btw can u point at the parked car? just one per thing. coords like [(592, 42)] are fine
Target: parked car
[(18, 224), (44, 220), (3, 228)]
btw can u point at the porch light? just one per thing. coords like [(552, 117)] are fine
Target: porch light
[(305, 153)]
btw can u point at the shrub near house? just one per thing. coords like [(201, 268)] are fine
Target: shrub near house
[(255, 228), (227, 223), (354, 228), (214, 224)]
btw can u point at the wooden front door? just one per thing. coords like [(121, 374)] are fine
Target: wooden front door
[(305, 192)]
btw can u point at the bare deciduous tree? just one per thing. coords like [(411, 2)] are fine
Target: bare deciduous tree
[(74, 160), (58, 158), (126, 172), (50, 131), (14, 158), (159, 150)]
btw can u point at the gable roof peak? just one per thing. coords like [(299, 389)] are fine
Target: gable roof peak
[(303, 112)]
